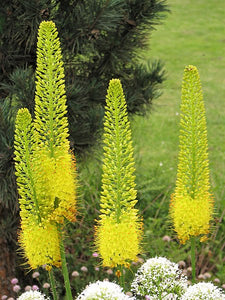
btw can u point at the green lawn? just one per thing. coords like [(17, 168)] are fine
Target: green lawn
[(192, 34)]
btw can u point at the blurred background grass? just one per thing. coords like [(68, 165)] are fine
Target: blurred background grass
[(192, 34)]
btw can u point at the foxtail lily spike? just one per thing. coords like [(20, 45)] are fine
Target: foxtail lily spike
[(119, 231), (192, 205), (56, 164)]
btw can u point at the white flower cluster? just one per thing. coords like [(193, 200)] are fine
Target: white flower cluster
[(103, 290), (159, 278), (203, 291), (33, 295)]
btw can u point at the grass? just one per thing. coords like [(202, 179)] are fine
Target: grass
[(192, 34)]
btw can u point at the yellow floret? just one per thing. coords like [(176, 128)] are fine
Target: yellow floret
[(191, 217), (57, 186), (119, 243), (40, 244)]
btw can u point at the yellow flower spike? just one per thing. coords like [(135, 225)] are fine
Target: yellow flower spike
[(56, 164), (119, 232), (191, 206)]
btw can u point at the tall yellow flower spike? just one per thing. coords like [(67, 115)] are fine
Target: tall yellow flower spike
[(119, 229), (191, 206), (45, 167), (56, 164)]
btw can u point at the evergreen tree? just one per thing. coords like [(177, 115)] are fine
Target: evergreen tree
[(100, 40)]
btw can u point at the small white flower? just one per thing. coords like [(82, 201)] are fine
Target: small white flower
[(46, 285), (16, 288), (159, 278), (189, 270), (182, 264), (36, 274), (84, 269), (75, 274), (207, 275), (103, 290), (166, 238), (203, 290), (201, 276), (33, 295)]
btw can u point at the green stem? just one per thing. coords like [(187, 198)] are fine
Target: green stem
[(64, 268), (53, 285), (121, 279), (193, 259)]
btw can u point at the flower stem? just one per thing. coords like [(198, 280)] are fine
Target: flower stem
[(64, 268), (121, 279), (193, 259), (53, 285)]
